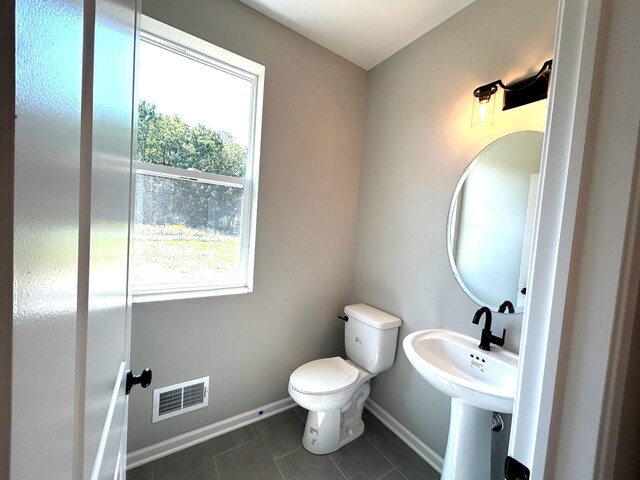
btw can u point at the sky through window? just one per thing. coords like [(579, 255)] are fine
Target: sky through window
[(197, 93)]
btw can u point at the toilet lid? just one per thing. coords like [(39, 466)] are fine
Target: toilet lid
[(323, 376)]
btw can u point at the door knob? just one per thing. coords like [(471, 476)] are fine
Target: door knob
[(144, 379)]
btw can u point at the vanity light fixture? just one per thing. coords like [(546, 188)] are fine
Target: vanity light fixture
[(516, 93)]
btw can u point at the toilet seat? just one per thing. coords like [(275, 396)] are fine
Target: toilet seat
[(338, 372), (327, 375)]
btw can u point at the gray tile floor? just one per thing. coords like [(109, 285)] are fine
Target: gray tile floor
[(271, 450)]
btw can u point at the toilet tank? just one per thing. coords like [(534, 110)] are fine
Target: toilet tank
[(370, 337)]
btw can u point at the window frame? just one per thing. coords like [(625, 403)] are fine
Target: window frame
[(193, 48)]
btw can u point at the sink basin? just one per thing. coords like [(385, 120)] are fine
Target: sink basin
[(478, 382), (454, 364)]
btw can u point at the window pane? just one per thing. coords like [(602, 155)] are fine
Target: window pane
[(191, 114), (186, 232)]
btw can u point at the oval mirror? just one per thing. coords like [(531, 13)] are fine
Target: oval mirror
[(490, 224)]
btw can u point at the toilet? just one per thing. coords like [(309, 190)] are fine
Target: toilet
[(334, 390)]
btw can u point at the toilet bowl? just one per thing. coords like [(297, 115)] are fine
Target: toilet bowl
[(335, 402), (334, 390)]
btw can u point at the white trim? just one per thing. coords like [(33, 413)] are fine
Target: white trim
[(404, 434), (605, 285), (106, 429), (169, 36), (585, 284), (117, 473), (149, 297), (194, 437), (540, 378), (164, 171), (205, 59)]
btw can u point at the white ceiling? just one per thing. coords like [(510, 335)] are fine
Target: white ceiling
[(366, 32)]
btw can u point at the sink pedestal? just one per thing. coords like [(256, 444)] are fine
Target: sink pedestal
[(468, 454), (478, 381)]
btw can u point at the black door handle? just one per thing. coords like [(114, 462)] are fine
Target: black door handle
[(144, 379)]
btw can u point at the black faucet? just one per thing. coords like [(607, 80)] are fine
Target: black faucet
[(506, 305), (486, 338)]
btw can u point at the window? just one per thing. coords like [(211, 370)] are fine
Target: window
[(196, 174)]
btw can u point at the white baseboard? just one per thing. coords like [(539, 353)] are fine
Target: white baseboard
[(417, 445), (186, 440)]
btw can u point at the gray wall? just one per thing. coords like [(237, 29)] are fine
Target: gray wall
[(418, 141), (311, 148)]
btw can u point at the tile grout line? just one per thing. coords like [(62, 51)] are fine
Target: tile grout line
[(393, 467), (271, 455), (215, 464), (239, 445), (394, 470), (285, 455), (385, 457), (278, 467), (266, 444), (336, 465)]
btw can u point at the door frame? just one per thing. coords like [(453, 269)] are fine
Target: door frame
[(554, 341), (7, 136)]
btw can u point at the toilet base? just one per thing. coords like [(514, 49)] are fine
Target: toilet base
[(326, 432), (321, 439)]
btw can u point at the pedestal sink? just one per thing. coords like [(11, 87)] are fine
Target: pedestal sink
[(478, 382)]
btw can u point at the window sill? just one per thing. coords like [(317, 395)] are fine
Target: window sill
[(149, 297)]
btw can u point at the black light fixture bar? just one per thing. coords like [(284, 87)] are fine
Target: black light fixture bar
[(519, 92)]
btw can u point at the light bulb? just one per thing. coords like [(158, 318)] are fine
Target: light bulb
[(482, 111)]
